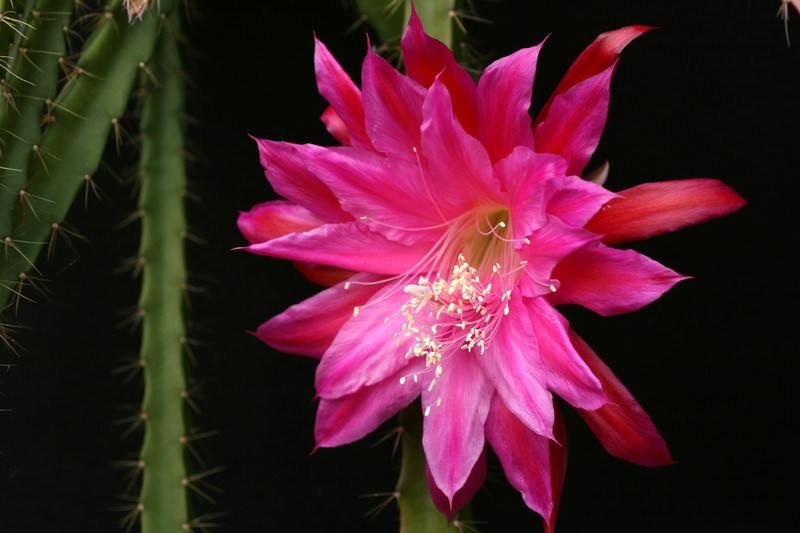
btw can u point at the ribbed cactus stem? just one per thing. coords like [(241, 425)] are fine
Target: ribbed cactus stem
[(165, 483), (418, 514), (31, 83), (95, 95)]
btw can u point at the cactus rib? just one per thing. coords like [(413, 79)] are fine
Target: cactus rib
[(164, 497)]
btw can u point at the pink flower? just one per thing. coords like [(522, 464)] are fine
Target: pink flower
[(448, 228)]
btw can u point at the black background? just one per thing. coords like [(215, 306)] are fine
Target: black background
[(712, 93)]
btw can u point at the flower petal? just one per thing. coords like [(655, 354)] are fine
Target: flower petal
[(567, 374), (270, 220), (531, 180), (308, 328), (351, 246), (504, 96), (452, 433), (610, 281), (324, 275), (623, 427), (288, 174), (578, 200), (461, 498), (512, 363), (425, 58), (339, 90), (533, 464), (596, 58), (368, 348), (389, 195), (655, 208), (575, 121), (460, 170), (335, 126), (393, 106), (549, 245), (349, 418)]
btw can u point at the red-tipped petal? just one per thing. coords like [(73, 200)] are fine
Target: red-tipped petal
[(425, 58), (596, 58), (623, 427), (655, 208), (575, 121)]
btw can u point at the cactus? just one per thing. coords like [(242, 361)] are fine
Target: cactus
[(440, 18), (164, 501), (39, 184), (52, 137)]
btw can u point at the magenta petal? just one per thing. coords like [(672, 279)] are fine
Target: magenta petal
[(577, 201), (460, 170), (349, 418), (339, 90), (388, 195), (351, 246), (504, 96), (575, 121), (596, 58), (366, 349), (567, 374), (464, 494), (288, 174), (425, 58), (452, 435), (610, 281), (525, 456), (622, 426), (393, 105), (530, 180), (335, 126), (549, 245), (271, 220), (308, 328), (655, 208), (512, 364)]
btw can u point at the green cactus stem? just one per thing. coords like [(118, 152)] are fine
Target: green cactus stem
[(439, 20), (95, 93), (439, 17), (164, 499), (30, 84)]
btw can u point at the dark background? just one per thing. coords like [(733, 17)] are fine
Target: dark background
[(712, 93)]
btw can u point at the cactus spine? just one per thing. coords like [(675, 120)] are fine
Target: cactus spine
[(164, 499)]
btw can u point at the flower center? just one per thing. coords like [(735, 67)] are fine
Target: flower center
[(462, 312)]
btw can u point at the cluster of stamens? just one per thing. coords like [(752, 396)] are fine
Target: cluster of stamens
[(441, 311)]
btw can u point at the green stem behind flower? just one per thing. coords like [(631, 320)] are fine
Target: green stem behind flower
[(418, 514), (165, 502)]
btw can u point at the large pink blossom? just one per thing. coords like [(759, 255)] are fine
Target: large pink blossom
[(448, 228)]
